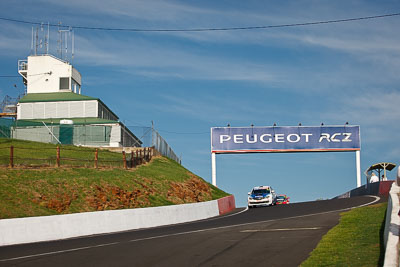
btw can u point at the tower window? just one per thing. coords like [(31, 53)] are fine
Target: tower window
[(64, 83)]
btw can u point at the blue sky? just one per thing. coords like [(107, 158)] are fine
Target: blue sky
[(187, 82)]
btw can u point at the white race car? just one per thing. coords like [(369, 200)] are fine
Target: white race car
[(261, 196)]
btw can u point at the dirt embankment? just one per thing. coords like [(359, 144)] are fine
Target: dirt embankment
[(194, 190), (50, 191), (105, 196)]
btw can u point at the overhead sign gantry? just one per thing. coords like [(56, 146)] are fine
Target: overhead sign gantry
[(285, 139)]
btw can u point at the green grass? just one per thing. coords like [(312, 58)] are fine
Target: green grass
[(356, 241), (29, 153), (50, 190)]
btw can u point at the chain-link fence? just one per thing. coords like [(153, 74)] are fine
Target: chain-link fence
[(151, 138), (89, 135), (5, 127)]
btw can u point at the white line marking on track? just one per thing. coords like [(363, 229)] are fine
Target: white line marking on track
[(220, 217), (281, 229), (182, 233), (59, 252)]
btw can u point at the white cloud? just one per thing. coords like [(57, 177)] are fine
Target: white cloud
[(210, 109), (139, 57), (143, 55), (131, 11), (14, 39), (351, 56), (378, 115), (380, 109)]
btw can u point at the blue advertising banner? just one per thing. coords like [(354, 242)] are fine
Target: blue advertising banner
[(285, 139)]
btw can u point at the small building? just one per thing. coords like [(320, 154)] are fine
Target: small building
[(48, 74), (54, 110)]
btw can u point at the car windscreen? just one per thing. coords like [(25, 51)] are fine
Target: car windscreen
[(260, 191)]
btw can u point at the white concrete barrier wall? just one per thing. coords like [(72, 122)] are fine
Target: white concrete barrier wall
[(46, 228), (392, 225)]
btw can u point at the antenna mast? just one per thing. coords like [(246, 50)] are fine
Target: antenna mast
[(47, 39), (63, 43), (40, 41), (36, 40), (32, 42), (73, 45)]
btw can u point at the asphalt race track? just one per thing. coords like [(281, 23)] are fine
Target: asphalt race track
[(281, 235)]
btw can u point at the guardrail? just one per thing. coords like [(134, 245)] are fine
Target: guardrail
[(46, 228), (392, 221), (392, 226), (381, 188)]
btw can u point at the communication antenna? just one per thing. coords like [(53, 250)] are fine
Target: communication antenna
[(73, 45), (59, 42), (47, 39), (63, 43), (32, 42), (40, 40), (36, 40)]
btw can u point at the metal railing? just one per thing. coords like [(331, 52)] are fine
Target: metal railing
[(22, 64), (83, 135), (151, 138), (16, 156)]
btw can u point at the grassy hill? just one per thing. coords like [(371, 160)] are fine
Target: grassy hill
[(49, 190)]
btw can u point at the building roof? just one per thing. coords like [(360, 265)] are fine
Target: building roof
[(55, 97), (382, 165), (60, 96), (77, 121)]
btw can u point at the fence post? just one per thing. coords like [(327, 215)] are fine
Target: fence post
[(12, 156), (124, 159), (132, 163), (58, 156), (140, 157), (96, 157), (136, 158)]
